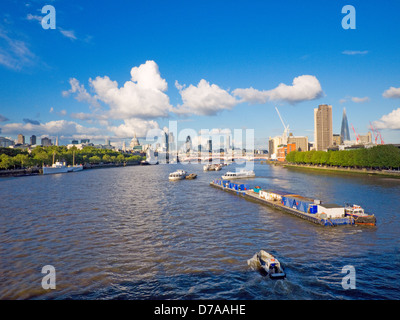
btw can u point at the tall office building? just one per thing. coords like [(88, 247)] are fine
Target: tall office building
[(21, 139), (344, 132), (33, 140), (46, 142), (323, 133)]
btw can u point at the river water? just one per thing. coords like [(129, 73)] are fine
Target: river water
[(129, 233)]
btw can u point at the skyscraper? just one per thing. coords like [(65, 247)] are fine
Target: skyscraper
[(344, 132), (323, 133), (21, 139), (33, 140)]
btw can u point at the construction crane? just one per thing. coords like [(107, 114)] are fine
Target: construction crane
[(357, 136), (376, 134), (286, 128)]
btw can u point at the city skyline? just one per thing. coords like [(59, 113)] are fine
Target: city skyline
[(223, 65)]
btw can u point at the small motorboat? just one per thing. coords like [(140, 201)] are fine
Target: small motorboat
[(191, 176), (270, 265)]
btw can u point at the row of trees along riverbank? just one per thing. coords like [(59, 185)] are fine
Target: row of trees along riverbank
[(379, 157), (17, 158)]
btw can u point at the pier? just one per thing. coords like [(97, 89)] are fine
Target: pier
[(250, 195)]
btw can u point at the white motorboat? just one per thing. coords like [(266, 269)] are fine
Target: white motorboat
[(177, 175), (268, 264), (242, 174)]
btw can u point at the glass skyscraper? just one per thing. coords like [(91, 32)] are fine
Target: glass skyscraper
[(344, 132)]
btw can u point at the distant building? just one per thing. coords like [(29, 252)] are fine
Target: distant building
[(21, 139), (273, 144), (188, 145), (46, 142), (301, 142), (75, 142), (337, 140), (5, 143), (85, 140), (33, 140), (344, 132), (323, 133), (134, 142), (365, 139), (209, 145), (284, 150)]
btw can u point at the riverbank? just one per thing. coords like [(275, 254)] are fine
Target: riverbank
[(387, 173), (38, 170)]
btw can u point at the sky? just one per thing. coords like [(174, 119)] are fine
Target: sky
[(113, 69)]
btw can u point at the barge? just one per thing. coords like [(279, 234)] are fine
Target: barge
[(305, 208)]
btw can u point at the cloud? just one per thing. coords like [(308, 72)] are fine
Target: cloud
[(392, 92), (303, 88), (70, 34), (49, 128), (80, 94), (389, 121), (34, 18), (360, 100), (133, 126), (14, 54), (141, 97), (3, 118), (34, 122), (354, 52), (204, 99)]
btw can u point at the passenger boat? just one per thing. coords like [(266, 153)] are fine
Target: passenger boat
[(269, 264), (177, 175), (242, 174), (360, 217)]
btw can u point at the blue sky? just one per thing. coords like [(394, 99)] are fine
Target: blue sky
[(115, 68)]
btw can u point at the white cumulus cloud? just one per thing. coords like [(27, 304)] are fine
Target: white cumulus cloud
[(133, 126), (392, 92), (204, 99), (141, 97), (389, 121), (303, 88)]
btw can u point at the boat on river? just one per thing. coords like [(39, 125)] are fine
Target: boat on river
[(212, 167), (359, 216), (242, 174), (177, 175), (57, 167), (269, 264)]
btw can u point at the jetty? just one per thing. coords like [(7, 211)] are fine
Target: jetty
[(253, 194)]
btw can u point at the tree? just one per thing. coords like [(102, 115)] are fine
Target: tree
[(6, 162)]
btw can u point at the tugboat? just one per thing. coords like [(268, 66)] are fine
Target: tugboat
[(359, 216)]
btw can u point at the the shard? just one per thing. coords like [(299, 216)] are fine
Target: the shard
[(344, 132)]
